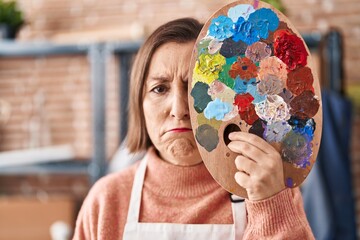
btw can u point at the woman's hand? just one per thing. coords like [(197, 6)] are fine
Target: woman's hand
[(259, 164)]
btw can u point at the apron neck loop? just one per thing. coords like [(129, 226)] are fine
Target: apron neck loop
[(136, 192)]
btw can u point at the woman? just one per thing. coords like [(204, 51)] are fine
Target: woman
[(170, 194)]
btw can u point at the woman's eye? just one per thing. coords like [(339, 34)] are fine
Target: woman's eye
[(159, 89)]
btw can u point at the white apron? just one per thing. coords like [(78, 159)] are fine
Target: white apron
[(157, 231)]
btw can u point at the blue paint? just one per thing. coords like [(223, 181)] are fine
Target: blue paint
[(245, 31), (221, 28), (256, 27), (217, 109), (307, 130), (242, 85), (231, 60), (242, 10), (264, 19), (251, 88)]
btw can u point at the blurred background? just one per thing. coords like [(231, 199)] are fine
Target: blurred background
[(64, 68)]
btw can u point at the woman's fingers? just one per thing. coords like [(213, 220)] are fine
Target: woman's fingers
[(244, 164), (242, 179), (253, 140), (247, 149)]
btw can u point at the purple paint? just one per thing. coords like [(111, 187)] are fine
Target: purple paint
[(289, 182), (256, 4)]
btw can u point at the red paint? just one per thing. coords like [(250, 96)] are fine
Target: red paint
[(243, 67), (243, 101), (305, 105), (290, 49), (249, 116), (299, 80)]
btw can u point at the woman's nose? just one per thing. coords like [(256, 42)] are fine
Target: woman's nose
[(179, 106)]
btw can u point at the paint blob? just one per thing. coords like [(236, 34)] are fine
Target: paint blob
[(243, 10), (258, 128), (216, 87), (230, 48), (232, 114), (286, 95), (200, 95), (201, 119), (299, 80), (290, 49), (258, 51), (306, 105), (217, 109), (241, 86), (244, 68), (289, 182), (249, 115), (272, 66), (221, 28), (273, 109), (207, 137), (270, 85), (276, 131), (296, 149), (258, 97), (243, 101), (208, 67), (214, 46)]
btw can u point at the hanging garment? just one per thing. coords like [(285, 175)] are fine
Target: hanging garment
[(158, 231), (327, 193)]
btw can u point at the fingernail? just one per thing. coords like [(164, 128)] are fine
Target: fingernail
[(231, 135)]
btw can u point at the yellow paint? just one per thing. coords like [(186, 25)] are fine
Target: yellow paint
[(208, 67), (201, 119)]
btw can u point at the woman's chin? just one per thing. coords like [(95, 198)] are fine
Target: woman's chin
[(182, 151)]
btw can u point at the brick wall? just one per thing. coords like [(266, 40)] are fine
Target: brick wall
[(50, 103), (67, 113)]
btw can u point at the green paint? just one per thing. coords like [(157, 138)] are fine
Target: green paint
[(200, 95), (224, 76)]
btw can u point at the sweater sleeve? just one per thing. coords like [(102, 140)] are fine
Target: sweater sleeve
[(104, 210), (281, 216), (87, 219)]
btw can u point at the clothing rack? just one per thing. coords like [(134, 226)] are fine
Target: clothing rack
[(332, 67)]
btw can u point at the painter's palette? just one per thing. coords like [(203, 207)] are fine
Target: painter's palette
[(251, 71)]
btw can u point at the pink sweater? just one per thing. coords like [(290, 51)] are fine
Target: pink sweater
[(178, 194)]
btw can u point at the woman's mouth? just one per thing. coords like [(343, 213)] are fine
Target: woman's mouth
[(179, 130)]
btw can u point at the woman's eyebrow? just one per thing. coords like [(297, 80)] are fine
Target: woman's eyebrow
[(159, 78)]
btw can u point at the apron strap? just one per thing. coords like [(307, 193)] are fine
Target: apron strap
[(135, 198), (239, 215)]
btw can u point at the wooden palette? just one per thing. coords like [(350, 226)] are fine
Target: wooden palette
[(251, 71)]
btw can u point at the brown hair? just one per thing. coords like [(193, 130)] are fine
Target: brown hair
[(180, 31)]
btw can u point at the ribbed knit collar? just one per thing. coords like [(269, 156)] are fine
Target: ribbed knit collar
[(166, 179)]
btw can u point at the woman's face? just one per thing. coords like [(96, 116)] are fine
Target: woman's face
[(166, 105)]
